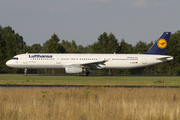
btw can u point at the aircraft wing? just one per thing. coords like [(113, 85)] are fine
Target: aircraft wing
[(93, 65)]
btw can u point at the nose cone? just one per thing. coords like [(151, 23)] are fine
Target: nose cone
[(8, 63)]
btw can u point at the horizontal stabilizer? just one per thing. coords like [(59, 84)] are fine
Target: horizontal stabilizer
[(165, 58)]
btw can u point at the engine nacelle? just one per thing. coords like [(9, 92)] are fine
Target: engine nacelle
[(73, 69)]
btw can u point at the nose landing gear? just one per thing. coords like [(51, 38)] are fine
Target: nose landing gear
[(25, 71)]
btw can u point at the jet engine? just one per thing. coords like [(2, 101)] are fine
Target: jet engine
[(73, 69)]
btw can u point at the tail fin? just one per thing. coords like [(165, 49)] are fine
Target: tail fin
[(160, 47)]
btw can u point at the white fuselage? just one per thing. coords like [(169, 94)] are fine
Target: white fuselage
[(60, 61)]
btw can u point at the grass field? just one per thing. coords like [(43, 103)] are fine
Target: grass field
[(94, 80), (89, 104)]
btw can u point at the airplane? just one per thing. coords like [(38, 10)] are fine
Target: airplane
[(78, 63)]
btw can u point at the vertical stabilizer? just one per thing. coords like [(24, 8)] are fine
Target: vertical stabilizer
[(160, 47)]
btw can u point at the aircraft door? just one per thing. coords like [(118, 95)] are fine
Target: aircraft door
[(144, 60), (58, 60), (25, 59)]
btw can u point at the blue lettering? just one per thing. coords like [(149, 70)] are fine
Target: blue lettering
[(40, 56)]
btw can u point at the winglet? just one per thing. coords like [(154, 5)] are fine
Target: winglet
[(160, 47)]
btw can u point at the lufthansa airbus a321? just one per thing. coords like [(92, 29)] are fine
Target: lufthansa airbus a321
[(78, 63)]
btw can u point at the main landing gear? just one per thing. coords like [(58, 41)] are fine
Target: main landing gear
[(25, 72), (89, 73)]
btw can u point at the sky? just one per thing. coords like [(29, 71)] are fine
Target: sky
[(84, 20)]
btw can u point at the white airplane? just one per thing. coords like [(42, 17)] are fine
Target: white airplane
[(78, 63)]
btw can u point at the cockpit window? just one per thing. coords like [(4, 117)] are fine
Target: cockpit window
[(15, 58)]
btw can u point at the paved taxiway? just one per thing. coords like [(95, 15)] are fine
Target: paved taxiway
[(90, 86)]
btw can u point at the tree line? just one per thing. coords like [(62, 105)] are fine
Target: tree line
[(12, 43)]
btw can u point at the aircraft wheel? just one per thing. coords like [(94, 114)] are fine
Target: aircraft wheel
[(25, 72), (89, 74)]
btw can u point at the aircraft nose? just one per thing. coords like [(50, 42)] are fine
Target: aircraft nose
[(8, 63)]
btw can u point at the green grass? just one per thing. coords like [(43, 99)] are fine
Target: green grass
[(94, 80)]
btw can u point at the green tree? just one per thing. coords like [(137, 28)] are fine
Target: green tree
[(8, 35), (70, 47), (10, 45), (96, 48), (44, 48), (125, 47), (60, 49), (66, 44), (88, 49), (73, 44), (174, 50), (3, 50), (54, 46), (142, 47), (27, 49), (20, 44), (80, 49), (112, 45), (36, 48), (106, 44)]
